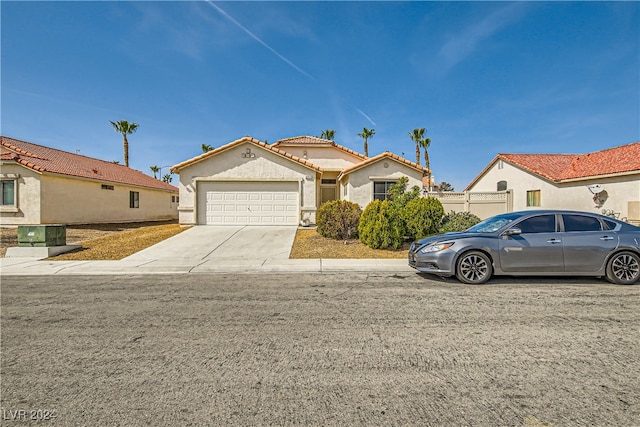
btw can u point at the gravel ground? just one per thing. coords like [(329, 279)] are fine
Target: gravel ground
[(348, 349)]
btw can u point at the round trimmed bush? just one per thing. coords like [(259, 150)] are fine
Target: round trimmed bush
[(422, 216), (458, 221), (338, 219), (381, 226)]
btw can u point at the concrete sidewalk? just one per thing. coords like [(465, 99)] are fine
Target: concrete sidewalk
[(127, 266), (232, 249)]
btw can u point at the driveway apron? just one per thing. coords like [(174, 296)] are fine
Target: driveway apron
[(223, 243)]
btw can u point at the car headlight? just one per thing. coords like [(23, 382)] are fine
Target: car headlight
[(436, 248)]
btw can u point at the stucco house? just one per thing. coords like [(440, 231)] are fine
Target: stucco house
[(603, 180), (43, 185), (250, 182)]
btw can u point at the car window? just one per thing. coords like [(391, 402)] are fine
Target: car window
[(609, 225), (492, 224), (538, 224), (581, 223)]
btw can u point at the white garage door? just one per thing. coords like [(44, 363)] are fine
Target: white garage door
[(248, 203)]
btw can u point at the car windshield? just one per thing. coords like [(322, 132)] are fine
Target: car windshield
[(494, 223)]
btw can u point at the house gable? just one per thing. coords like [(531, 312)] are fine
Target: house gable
[(357, 182), (245, 140), (248, 166)]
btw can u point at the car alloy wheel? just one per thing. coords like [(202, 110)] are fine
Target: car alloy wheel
[(624, 268), (474, 268)]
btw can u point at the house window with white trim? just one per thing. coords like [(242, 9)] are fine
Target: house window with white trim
[(381, 190), (134, 199), (8, 187), (533, 198)]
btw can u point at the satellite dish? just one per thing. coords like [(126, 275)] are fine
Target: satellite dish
[(595, 188)]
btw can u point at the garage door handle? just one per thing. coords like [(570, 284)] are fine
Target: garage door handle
[(606, 238), (554, 241)]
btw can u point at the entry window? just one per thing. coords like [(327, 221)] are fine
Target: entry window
[(381, 190), (581, 223), (538, 224), (533, 198), (134, 199), (8, 192)]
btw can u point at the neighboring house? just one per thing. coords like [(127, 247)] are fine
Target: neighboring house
[(251, 182), (42, 185), (604, 180)]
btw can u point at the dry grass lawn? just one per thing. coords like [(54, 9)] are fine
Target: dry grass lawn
[(310, 244), (119, 245), (104, 241)]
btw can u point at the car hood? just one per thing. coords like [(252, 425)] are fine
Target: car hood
[(446, 237)]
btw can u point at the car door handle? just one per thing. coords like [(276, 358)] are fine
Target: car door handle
[(606, 238), (554, 241)]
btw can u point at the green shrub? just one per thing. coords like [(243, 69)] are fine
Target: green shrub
[(422, 216), (338, 219), (458, 221), (381, 226)]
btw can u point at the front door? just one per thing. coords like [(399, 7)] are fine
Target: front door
[(328, 193)]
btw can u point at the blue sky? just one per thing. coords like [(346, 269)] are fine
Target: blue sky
[(482, 77)]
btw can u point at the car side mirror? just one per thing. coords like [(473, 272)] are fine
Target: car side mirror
[(512, 232)]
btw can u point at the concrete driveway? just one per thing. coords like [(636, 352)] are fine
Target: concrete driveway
[(204, 243)]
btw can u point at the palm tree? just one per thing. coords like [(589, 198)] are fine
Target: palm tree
[(206, 148), (328, 134), (167, 178), (425, 143), (155, 169), (416, 136), (366, 134), (125, 128), (445, 186)]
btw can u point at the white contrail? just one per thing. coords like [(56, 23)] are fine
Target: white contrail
[(365, 116), (275, 52), (256, 38)]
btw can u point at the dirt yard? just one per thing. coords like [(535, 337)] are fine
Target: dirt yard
[(332, 350), (104, 241)]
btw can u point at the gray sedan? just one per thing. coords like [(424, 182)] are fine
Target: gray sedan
[(540, 242)]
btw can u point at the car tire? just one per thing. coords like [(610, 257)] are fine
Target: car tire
[(624, 268), (474, 268)]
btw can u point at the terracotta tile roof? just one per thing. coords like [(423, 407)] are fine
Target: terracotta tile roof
[(306, 140), (385, 155), (564, 167), (560, 167), (243, 140), (50, 160)]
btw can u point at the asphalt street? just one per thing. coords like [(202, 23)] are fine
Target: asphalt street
[(318, 349)]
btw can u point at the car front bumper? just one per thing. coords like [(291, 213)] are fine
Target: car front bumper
[(439, 263)]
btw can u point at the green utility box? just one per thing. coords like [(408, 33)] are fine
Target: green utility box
[(42, 235)]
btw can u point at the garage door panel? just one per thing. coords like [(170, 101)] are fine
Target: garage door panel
[(248, 203)]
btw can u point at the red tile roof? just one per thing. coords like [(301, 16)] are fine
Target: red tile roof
[(243, 140), (385, 155), (563, 167), (306, 140), (50, 160), (560, 167)]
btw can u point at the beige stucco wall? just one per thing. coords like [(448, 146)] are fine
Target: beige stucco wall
[(27, 209), (622, 191), (74, 201), (359, 184), (329, 158), (231, 166)]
